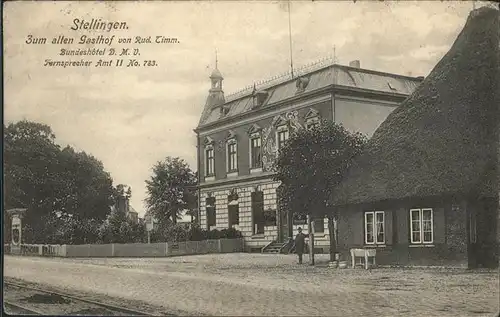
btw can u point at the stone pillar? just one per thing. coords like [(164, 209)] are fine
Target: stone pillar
[(16, 215)]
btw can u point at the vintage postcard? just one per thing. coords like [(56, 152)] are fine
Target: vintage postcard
[(251, 158)]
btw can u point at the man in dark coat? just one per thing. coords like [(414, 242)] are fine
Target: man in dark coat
[(300, 242)]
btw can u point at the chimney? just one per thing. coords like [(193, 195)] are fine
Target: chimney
[(355, 63)]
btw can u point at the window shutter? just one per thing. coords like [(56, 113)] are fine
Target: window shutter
[(388, 227), (357, 220), (438, 215)]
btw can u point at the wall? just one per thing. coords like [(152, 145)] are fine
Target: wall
[(244, 192), (243, 148), (484, 253), (361, 115), (245, 226), (136, 249), (450, 235)]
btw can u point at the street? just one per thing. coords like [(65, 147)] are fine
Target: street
[(256, 284)]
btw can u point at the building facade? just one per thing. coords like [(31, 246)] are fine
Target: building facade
[(238, 138)]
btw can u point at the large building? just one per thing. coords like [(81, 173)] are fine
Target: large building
[(238, 138)]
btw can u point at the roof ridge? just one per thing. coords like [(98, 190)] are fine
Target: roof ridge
[(283, 77)]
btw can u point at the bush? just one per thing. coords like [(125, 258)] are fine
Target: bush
[(181, 232)]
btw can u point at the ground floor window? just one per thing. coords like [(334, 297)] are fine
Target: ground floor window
[(421, 223), (270, 217), (258, 212), (374, 227), (319, 225), (210, 209), (233, 209)]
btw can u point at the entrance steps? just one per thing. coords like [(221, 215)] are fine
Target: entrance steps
[(277, 247)]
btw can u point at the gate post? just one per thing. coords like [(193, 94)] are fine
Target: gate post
[(16, 215)]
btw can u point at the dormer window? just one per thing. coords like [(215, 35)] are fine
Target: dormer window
[(259, 97), (231, 154), (312, 119), (301, 84), (224, 110)]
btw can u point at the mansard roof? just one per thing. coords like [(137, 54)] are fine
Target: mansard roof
[(339, 75)]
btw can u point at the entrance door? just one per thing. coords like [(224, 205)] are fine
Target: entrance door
[(283, 226)]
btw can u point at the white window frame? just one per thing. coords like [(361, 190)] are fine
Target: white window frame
[(209, 173), (374, 226), (252, 137), (312, 121), (280, 129), (421, 226)]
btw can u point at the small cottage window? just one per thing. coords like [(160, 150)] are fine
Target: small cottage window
[(374, 227), (421, 223)]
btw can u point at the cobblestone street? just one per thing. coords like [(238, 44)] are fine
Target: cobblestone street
[(271, 285)]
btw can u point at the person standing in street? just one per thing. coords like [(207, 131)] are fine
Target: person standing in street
[(300, 242)]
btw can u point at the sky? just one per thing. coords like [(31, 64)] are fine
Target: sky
[(130, 118)]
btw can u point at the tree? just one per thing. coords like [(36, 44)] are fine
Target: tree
[(311, 163), (89, 187), (170, 190), (51, 183)]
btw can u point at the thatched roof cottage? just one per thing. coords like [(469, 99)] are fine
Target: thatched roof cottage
[(425, 190)]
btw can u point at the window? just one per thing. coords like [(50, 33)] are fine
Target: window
[(282, 137), (374, 227), (258, 212), (233, 209), (312, 123), (270, 217), (319, 225), (421, 224), (209, 161), (255, 152), (210, 208), (232, 157), (234, 214)]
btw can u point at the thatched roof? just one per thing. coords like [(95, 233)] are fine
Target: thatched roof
[(443, 138)]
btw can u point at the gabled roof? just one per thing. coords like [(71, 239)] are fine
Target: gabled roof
[(443, 139), (330, 75)]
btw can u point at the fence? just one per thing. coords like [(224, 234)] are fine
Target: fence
[(133, 249)]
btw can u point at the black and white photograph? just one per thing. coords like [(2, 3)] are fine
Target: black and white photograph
[(251, 158)]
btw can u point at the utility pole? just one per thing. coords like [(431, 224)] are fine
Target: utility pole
[(290, 37), (310, 229)]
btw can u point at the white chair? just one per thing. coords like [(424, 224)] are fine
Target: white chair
[(363, 253)]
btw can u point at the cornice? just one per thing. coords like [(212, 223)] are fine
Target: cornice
[(236, 180)]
